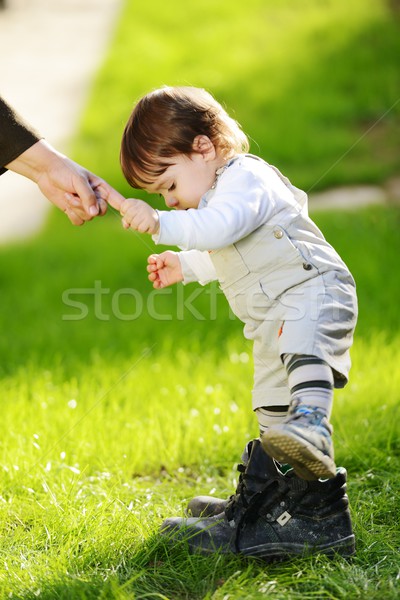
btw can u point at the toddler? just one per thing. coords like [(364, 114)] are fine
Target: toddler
[(238, 220)]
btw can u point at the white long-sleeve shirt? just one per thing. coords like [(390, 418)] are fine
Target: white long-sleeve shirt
[(282, 279), (247, 193)]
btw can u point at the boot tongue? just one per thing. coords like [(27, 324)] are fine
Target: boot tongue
[(259, 472), (260, 469)]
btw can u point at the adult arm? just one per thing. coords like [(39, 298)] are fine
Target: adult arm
[(16, 135), (66, 184), (73, 189)]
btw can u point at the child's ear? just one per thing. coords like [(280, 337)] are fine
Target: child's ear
[(204, 146)]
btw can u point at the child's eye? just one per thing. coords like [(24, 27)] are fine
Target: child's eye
[(171, 188)]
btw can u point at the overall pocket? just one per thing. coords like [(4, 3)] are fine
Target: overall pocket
[(285, 267)]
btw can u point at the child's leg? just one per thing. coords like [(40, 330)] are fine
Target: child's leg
[(310, 382), (303, 439), (268, 416), (270, 395)]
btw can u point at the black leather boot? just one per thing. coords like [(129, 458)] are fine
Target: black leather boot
[(273, 516), (206, 506)]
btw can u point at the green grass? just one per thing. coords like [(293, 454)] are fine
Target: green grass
[(316, 85), (109, 426)]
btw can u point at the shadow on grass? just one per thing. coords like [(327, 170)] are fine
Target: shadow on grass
[(152, 569)]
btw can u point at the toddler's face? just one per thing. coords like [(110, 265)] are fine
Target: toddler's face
[(185, 181)]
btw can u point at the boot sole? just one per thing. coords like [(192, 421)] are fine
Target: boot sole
[(344, 547), (307, 461)]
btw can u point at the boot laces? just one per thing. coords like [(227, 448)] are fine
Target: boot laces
[(245, 504)]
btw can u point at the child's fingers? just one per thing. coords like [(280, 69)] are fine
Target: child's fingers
[(155, 280), (160, 262), (157, 260), (129, 213), (129, 216), (127, 204)]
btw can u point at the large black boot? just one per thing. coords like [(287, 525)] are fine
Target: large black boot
[(206, 506), (273, 516)]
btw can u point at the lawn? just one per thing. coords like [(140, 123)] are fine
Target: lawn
[(120, 403), (113, 421)]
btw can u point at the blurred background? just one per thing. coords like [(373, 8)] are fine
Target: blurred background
[(314, 84), (49, 55)]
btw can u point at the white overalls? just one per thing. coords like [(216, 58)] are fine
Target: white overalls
[(282, 279)]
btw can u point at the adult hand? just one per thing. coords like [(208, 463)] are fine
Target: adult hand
[(66, 184), (105, 194)]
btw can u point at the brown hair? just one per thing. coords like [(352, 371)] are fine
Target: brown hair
[(165, 122)]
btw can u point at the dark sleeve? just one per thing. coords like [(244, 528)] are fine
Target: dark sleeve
[(16, 136)]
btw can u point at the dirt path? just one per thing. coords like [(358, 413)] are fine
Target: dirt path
[(50, 51)]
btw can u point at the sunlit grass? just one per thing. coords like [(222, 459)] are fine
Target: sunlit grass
[(109, 426)]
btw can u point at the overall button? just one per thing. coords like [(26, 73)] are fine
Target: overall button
[(278, 233), (307, 266)]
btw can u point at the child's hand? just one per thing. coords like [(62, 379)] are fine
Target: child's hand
[(139, 215), (164, 269)]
